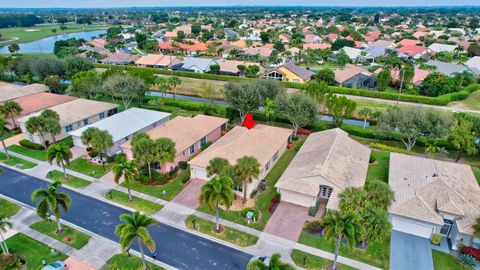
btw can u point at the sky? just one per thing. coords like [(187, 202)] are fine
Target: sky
[(167, 3)]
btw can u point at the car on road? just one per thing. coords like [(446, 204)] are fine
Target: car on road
[(58, 265), (264, 259)]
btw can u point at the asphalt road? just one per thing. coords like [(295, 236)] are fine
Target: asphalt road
[(175, 247)]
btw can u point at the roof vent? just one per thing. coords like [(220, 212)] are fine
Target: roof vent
[(435, 175)]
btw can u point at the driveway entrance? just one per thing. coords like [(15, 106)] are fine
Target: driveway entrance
[(190, 195), (410, 252)]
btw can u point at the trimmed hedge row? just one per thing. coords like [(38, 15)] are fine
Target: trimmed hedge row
[(388, 148), (31, 145), (442, 100)]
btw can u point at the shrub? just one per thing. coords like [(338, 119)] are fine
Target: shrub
[(10, 261), (388, 148), (182, 165), (436, 238), (302, 131), (184, 176), (298, 146), (474, 252), (294, 138), (372, 159), (313, 227), (204, 146), (468, 260), (312, 211), (31, 145)]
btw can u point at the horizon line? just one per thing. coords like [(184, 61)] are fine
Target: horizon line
[(271, 6)]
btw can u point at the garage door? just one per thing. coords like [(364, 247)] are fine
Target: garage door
[(411, 227), (199, 173), (296, 198)]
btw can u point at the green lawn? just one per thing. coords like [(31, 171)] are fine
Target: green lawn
[(25, 34), (78, 239), (8, 209), (139, 204), (376, 254), (86, 167), (230, 235), (36, 154), (444, 261), (472, 102), (16, 162), (70, 181), (32, 251), (171, 189), (122, 261), (263, 200), (378, 171), (313, 262)]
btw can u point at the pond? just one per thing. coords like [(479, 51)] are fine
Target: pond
[(45, 45), (222, 103)]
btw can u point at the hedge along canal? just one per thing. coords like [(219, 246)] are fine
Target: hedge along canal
[(223, 103)]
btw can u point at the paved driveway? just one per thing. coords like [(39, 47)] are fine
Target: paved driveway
[(410, 252), (175, 247), (287, 220), (73, 264), (190, 195)]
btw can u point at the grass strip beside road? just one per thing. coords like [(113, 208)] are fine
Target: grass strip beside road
[(313, 262), (123, 261), (78, 239), (71, 181), (137, 203), (7, 208), (86, 167), (16, 162), (230, 235), (166, 192), (36, 154)]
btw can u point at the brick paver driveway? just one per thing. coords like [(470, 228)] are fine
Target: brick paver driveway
[(73, 264), (189, 196), (288, 219)]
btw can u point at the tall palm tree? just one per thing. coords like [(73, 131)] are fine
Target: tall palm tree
[(353, 199), (101, 141), (175, 81), (217, 191), (135, 227), (61, 154), (341, 226), (144, 151), (127, 169), (248, 169), (274, 264), (52, 126), (11, 109), (3, 129), (269, 108), (396, 63), (87, 135), (379, 194), (376, 224), (36, 125), (4, 226), (217, 166), (164, 150), (51, 200)]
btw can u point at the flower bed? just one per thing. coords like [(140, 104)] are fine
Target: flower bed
[(474, 252), (274, 203)]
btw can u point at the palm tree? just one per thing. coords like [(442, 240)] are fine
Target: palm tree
[(127, 169), (51, 200), (175, 81), (52, 126), (365, 114), (379, 194), (217, 166), (135, 226), (217, 191), (101, 141), (163, 85), (269, 108), (3, 129), (247, 168), (144, 151), (164, 150), (87, 135), (353, 199), (341, 226), (398, 64), (62, 155), (376, 224), (274, 264), (11, 109), (36, 124), (4, 226)]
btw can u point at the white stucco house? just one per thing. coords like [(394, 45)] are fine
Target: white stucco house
[(122, 126), (328, 163), (433, 196)]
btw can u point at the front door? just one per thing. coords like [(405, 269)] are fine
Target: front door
[(446, 228)]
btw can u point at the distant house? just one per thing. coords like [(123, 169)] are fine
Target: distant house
[(262, 51), (437, 47), (311, 38), (73, 114), (316, 46), (230, 67), (120, 59), (9, 91), (229, 33), (445, 68), (418, 77), (358, 55), (373, 36), (414, 51), (327, 163), (433, 196), (139, 120), (158, 61), (189, 135), (474, 65), (288, 72), (408, 42), (354, 77), (379, 48), (265, 143), (196, 64)]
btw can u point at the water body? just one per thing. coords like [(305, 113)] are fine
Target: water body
[(45, 45), (222, 103)]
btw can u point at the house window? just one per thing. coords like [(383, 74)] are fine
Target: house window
[(223, 127), (102, 115), (447, 226), (275, 156), (79, 124), (325, 191), (85, 122), (68, 128), (267, 166), (203, 141), (238, 188), (183, 152), (192, 149), (296, 80)]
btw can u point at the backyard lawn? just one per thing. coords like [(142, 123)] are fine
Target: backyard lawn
[(313, 262), (263, 200), (139, 204), (78, 239), (86, 167), (378, 171), (36, 154), (8, 209), (444, 261), (32, 251), (16, 162), (230, 235), (122, 261), (376, 254), (70, 181), (171, 189)]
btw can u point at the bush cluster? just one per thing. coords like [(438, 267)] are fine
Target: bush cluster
[(388, 148), (31, 145)]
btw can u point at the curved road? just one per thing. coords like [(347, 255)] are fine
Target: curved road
[(175, 247)]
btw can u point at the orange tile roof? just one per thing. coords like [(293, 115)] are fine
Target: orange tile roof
[(37, 102)]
